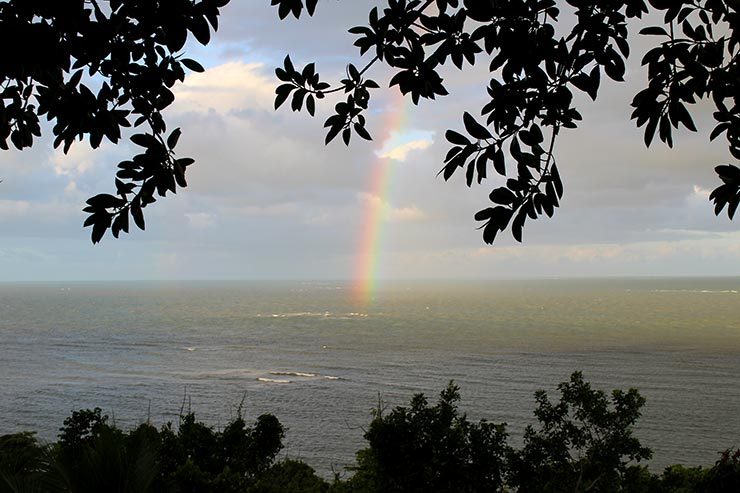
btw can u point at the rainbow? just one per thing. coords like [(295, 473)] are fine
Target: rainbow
[(372, 231)]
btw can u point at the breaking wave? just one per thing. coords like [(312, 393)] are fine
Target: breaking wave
[(704, 291), (326, 314), (292, 374), (272, 380)]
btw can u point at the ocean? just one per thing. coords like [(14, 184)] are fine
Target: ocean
[(310, 354)]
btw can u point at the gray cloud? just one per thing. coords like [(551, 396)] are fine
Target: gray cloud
[(267, 199)]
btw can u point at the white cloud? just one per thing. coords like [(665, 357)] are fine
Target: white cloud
[(200, 220), (14, 207), (24, 254), (320, 218), (592, 253), (79, 160), (390, 213), (701, 193), (401, 143), (229, 87), (71, 187), (722, 244), (52, 210), (271, 210), (401, 214), (402, 151), (717, 256), (690, 233)]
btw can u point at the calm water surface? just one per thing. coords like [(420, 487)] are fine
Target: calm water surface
[(307, 353)]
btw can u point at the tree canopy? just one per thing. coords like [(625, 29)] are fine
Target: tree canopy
[(99, 66), (534, 74), (583, 442), (95, 67)]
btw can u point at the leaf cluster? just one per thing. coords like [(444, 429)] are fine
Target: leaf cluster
[(426, 447), (582, 442), (697, 59), (306, 87), (535, 74), (92, 455), (585, 440), (95, 68)]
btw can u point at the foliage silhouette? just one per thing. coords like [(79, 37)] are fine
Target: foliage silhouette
[(290, 476), (534, 75), (93, 456), (22, 463), (131, 51), (431, 448), (583, 442)]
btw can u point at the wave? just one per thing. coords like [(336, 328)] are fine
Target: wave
[(326, 314), (292, 374), (272, 380), (190, 349), (225, 373), (703, 291), (351, 315), (300, 374), (301, 314)]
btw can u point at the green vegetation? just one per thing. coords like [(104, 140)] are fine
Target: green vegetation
[(95, 456), (583, 442)]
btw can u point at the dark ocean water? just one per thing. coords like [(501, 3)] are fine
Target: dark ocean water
[(307, 353)]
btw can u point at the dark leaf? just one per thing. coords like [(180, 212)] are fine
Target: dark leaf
[(502, 196), (192, 65), (173, 138), (474, 128), (456, 138)]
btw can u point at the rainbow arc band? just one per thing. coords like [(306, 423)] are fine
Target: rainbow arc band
[(372, 232)]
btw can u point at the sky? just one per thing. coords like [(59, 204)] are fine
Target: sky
[(268, 200)]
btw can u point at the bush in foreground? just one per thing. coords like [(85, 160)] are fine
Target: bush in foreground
[(583, 442)]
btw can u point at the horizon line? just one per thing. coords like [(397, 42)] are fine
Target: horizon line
[(390, 280)]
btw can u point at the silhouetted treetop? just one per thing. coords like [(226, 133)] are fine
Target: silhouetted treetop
[(534, 74), (94, 67), (97, 66)]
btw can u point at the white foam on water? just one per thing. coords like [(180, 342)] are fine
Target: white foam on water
[(292, 374), (301, 314), (325, 314), (702, 291), (272, 380)]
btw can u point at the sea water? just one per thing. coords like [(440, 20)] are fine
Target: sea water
[(313, 355)]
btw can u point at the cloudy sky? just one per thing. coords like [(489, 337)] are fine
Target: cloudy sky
[(267, 200)]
